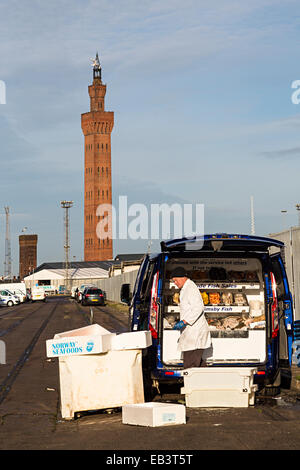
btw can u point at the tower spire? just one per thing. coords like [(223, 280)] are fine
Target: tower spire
[(96, 67)]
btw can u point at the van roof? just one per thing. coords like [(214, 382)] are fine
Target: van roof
[(221, 241)]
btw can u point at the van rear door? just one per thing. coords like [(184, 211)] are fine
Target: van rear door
[(285, 307), (134, 310)]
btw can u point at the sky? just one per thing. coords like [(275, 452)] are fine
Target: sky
[(204, 113)]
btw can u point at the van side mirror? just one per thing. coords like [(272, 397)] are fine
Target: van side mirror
[(125, 294)]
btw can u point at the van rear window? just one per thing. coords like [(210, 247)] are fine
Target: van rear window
[(94, 291)]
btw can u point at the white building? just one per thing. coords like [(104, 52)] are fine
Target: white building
[(53, 275)]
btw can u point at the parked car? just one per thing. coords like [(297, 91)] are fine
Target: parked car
[(81, 290), (38, 293), (92, 295), (240, 277), (8, 299), (14, 287)]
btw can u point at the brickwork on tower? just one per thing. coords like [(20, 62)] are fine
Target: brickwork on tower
[(97, 126), (27, 254)]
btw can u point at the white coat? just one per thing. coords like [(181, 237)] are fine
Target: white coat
[(196, 334)]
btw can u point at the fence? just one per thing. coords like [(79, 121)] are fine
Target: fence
[(112, 285)]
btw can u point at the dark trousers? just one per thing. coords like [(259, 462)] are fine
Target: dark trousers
[(193, 359)]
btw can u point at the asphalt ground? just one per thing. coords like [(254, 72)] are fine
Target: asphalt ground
[(30, 405)]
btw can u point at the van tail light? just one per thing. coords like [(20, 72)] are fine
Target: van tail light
[(154, 307), (275, 322)]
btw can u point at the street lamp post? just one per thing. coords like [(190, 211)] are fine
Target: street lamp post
[(66, 205)]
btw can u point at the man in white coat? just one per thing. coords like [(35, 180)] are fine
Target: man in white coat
[(195, 336)]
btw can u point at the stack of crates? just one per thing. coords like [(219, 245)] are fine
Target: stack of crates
[(219, 387), (296, 344)]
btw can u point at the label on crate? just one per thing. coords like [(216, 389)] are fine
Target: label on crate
[(64, 348)]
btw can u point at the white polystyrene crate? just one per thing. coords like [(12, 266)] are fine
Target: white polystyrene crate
[(237, 378), (91, 339), (170, 350), (100, 381), (131, 340), (218, 398), (90, 330), (153, 414)]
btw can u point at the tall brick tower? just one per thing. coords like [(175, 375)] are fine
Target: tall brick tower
[(97, 126), (27, 254)]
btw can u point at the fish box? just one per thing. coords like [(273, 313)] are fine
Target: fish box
[(219, 398), (100, 381), (219, 386), (93, 339), (153, 414), (131, 340)]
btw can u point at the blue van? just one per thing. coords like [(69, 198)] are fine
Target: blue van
[(248, 306)]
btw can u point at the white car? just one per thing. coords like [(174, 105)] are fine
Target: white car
[(37, 293), (8, 299)]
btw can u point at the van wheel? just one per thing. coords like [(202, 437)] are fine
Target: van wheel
[(10, 303)]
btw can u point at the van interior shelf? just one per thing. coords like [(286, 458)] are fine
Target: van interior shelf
[(218, 285), (223, 309)]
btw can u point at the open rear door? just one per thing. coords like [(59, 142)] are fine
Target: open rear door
[(285, 306), (134, 310)]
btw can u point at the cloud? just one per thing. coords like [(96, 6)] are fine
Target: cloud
[(290, 153)]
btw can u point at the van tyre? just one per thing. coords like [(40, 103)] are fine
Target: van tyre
[(10, 303)]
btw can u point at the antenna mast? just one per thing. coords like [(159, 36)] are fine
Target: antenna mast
[(7, 262), (66, 205), (252, 216)]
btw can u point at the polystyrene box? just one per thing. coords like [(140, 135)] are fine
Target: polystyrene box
[(215, 398), (91, 339), (170, 350), (100, 381), (153, 414), (132, 340), (218, 377), (219, 386)]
